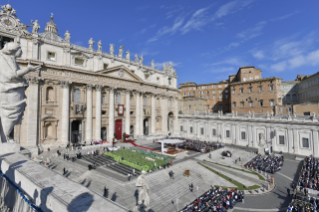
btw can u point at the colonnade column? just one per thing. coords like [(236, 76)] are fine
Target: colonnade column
[(33, 116), (153, 114), (142, 113), (127, 111), (89, 113), (315, 142), (98, 112), (296, 140), (65, 112), (290, 140), (111, 114), (137, 113), (250, 135)]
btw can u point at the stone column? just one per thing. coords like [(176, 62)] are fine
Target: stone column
[(250, 135), (127, 111), (253, 136), (296, 141), (176, 117), (137, 113), (33, 115), (153, 114), (164, 114), (290, 140), (111, 114), (98, 112), (65, 112), (89, 113), (142, 113), (35, 48), (315, 143)]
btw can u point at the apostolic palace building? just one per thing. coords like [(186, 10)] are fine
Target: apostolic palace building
[(85, 94)]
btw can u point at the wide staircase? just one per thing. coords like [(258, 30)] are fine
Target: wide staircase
[(123, 169), (99, 160)]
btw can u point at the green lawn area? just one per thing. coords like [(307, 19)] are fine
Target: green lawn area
[(236, 183), (247, 171)]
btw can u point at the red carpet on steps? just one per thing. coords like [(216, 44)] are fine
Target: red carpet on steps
[(134, 144)]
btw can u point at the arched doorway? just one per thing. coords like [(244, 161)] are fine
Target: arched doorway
[(76, 131), (146, 126), (170, 122), (103, 133)]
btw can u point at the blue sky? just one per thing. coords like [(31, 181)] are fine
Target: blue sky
[(206, 40)]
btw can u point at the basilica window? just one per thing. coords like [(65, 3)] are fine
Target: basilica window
[(145, 100), (214, 132), (281, 139), (191, 129), (305, 142), (169, 81), (169, 103), (118, 98), (243, 135), (79, 62), (105, 65), (181, 128), (50, 94), (202, 131), (76, 95), (227, 133), (51, 56)]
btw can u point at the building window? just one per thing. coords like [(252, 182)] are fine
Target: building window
[(202, 131), (103, 99), (226, 91), (250, 104), (220, 107), (169, 103), (181, 128), (169, 81), (243, 135), (281, 139), (294, 96), (280, 109), (251, 78), (105, 65), (51, 56), (234, 104), (214, 97), (50, 94), (214, 86), (219, 91), (219, 86), (250, 89), (79, 62), (220, 96), (226, 96), (227, 134), (244, 79), (305, 142), (191, 129), (242, 104), (241, 90), (145, 100), (271, 87), (118, 98), (261, 103), (76, 95), (260, 88), (272, 103), (306, 113), (214, 91), (214, 132), (226, 86), (207, 97)]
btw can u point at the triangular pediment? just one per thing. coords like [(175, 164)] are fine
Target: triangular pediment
[(120, 72)]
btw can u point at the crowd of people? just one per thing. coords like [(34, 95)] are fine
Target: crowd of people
[(215, 199), (266, 163), (309, 176), (200, 146), (304, 204)]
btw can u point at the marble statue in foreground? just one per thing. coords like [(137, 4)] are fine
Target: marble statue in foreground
[(143, 193), (12, 89)]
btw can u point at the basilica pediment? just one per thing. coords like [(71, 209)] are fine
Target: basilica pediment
[(121, 72)]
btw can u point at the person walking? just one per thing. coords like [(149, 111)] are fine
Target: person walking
[(288, 191), (64, 171), (305, 191), (191, 187), (129, 177)]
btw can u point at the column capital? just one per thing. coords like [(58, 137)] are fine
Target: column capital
[(65, 84), (128, 91), (99, 87), (111, 88), (33, 80), (89, 87)]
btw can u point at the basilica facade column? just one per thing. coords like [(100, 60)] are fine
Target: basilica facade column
[(164, 114), (142, 113), (176, 128), (127, 111), (153, 114), (89, 113), (98, 112), (32, 106), (65, 112), (111, 114), (137, 113)]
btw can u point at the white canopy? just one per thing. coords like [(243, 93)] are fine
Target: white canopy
[(171, 141)]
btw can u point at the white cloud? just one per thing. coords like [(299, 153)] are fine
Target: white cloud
[(231, 7), (252, 32), (231, 61), (286, 16), (279, 66), (197, 21), (146, 51), (259, 54)]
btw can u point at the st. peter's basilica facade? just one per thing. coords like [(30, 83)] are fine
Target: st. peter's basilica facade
[(83, 94)]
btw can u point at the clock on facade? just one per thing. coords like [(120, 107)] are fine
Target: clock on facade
[(8, 22)]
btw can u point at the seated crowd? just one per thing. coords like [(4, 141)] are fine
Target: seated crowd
[(301, 203), (215, 199), (309, 176), (200, 146), (266, 163)]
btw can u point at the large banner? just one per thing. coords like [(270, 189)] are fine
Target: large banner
[(120, 110)]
